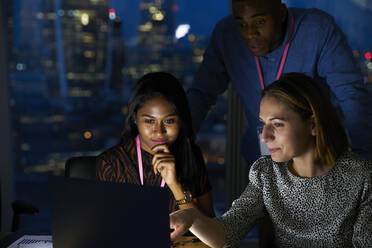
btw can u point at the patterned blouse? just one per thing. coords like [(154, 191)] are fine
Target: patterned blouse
[(120, 164), (332, 210)]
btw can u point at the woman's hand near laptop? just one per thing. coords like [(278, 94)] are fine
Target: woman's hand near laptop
[(208, 230)]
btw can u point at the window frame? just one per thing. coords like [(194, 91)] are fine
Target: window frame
[(6, 150)]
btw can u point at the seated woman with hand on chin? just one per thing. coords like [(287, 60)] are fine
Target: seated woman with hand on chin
[(316, 192), (158, 146)]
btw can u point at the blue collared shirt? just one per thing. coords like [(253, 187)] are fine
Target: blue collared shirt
[(318, 49)]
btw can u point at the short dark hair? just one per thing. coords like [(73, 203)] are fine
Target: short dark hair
[(189, 159), (273, 3), (307, 98)]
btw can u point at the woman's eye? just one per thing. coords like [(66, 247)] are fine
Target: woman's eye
[(170, 121), (149, 121), (278, 124)]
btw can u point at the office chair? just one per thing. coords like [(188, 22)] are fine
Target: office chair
[(19, 207), (81, 167)]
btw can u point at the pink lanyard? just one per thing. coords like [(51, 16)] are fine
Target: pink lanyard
[(140, 167), (282, 62)]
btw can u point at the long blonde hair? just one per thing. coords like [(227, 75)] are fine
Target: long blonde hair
[(303, 95)]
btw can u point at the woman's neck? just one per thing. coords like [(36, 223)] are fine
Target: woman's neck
[(305, 166)]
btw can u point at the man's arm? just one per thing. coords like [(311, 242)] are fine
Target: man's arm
[(210, 80), (338, 66)]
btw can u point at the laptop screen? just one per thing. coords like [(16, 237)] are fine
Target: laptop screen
[(87, 213)]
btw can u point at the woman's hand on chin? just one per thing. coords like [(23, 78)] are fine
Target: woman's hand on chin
[(163, 162)]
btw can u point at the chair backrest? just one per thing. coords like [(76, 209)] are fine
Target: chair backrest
[(81, 167)]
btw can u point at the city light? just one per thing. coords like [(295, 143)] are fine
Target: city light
[(145, 27), (85, 19), (88, 135), (39, 15), (369, 65), (175, 8), (61, 12), (20, 67), (124, 110), (368, 55), (182, 30), (191, 37), (158, 16), (112, 14), (25, 147), (89, 54), (153, 9)]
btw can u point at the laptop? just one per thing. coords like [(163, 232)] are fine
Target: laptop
[(92, 214)]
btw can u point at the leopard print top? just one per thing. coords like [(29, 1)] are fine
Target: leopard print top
[(332, 210)]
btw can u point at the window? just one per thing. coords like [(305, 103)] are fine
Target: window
[(71, 68)]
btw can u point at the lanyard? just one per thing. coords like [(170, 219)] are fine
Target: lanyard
[(282, 62), (140, 167)]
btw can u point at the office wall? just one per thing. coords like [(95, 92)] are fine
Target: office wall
[(6, 169)]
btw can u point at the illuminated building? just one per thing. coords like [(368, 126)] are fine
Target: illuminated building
[(57, 62), (115, 56), (82, 33), (155, 50), (156, 26)]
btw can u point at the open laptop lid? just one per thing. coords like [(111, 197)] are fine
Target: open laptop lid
[(89, 214)]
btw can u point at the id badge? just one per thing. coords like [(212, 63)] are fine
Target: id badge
[(263, 147)]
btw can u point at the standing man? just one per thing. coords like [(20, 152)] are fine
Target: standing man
[(262, 40)]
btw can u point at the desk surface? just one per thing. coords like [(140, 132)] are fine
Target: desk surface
[(189, 242), (182, 242)]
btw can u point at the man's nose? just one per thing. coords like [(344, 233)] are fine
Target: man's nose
[(252, 32)]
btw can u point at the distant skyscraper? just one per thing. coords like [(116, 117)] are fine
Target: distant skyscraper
[(115, 56), (156, 26), (82, 34), (64, 45), (26, 45), (156, 49)]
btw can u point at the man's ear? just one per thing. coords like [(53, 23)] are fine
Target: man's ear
[(283, 12)]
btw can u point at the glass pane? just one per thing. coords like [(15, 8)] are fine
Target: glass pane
[(72, 65)]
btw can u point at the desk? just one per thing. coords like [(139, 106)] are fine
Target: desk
[(189, 242), (183, 242)]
